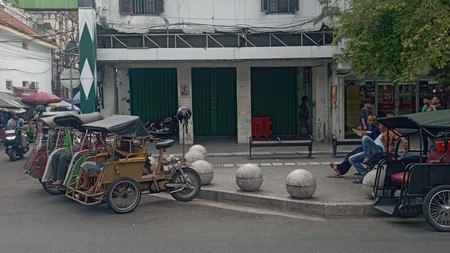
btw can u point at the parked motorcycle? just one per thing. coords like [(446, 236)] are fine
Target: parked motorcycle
[(165, 128), (15, 148)]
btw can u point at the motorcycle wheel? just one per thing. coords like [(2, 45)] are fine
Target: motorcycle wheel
[(11, 154), (123, 195), (53, 190), (191, 191)]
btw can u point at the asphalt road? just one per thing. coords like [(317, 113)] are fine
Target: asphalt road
[(33, 221)]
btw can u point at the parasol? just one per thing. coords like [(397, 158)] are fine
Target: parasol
[(41, 98), (64, 105)]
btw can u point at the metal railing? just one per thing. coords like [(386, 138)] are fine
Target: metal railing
[(219, 40)]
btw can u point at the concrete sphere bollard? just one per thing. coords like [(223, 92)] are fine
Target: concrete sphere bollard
[(153, 163), (301, 184), (193, 156), (199, 148), (249, 177), (369, 181), (205, 170)]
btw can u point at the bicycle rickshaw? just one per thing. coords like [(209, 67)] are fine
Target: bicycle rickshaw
[(70, 126), (45, 142), (121, 182), (52, 133), (415, 184)]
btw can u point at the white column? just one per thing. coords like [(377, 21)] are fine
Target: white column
[(320, 110), (244, 103), (185, 99), (123, 91), (109, 97)]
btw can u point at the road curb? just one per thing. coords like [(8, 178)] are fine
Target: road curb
[(294, 205), (256, 155)]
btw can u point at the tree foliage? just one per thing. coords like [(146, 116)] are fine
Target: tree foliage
[(397, 39)]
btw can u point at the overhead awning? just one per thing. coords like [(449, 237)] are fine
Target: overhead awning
[(10, 102)]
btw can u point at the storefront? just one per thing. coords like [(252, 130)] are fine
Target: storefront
[(400, 99)]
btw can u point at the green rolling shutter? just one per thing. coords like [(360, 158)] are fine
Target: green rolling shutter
[(214, 101), (153, 93), (274, 95)]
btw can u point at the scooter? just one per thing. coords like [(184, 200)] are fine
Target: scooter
[(165, 128), (14, 148)]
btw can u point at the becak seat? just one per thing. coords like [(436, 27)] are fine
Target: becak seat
[(434, 157)]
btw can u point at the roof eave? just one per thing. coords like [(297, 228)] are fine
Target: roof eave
[(38, 41)]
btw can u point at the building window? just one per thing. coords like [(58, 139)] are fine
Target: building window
[(8, 84), (279, 6), (34, 85), (144, 7), (25, 84)]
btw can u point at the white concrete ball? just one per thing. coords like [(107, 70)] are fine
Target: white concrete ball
[(369, 181), (199, 148), (301, 184), (205, 170), (153, 163), (249, 177), (193, 156)]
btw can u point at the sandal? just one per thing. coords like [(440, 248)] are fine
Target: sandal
[(335, 176)]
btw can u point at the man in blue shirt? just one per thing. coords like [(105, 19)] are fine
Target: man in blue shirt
[(342, 168)]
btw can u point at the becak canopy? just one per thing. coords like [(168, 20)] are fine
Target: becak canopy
[(122, 125)]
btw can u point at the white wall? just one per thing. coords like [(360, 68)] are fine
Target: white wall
[(219, 15), (18, 64)]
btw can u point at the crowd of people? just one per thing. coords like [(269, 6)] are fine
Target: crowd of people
[(375, 139)]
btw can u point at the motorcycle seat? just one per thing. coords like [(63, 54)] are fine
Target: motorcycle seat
[(164, 144)]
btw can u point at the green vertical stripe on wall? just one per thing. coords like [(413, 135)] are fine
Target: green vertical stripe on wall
[(214, 101), (153, 93), (88, 52), (274, 95)]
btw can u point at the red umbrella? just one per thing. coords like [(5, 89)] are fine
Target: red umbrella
[(41, 98)]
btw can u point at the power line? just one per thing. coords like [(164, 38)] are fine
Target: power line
[(23, 71)]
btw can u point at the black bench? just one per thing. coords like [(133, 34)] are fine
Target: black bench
[(336, 142), (280, 143)]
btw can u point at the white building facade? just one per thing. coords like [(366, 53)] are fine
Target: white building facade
[(25, 56), (231, 61)]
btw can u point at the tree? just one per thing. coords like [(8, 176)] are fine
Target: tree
[(396, 39)]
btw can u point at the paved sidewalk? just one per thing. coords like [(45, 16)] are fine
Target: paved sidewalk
[(349, 200), (333, 196)]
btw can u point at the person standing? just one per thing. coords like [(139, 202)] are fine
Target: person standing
[(364, 114), (303, 116)]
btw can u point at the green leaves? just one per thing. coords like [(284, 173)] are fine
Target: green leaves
[(398, 39)]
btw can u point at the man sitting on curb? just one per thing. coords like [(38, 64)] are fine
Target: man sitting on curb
[(342, 168), (384, 142)]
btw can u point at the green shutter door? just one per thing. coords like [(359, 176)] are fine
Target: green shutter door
[(274, 95), (214, 101), (153, 93)]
